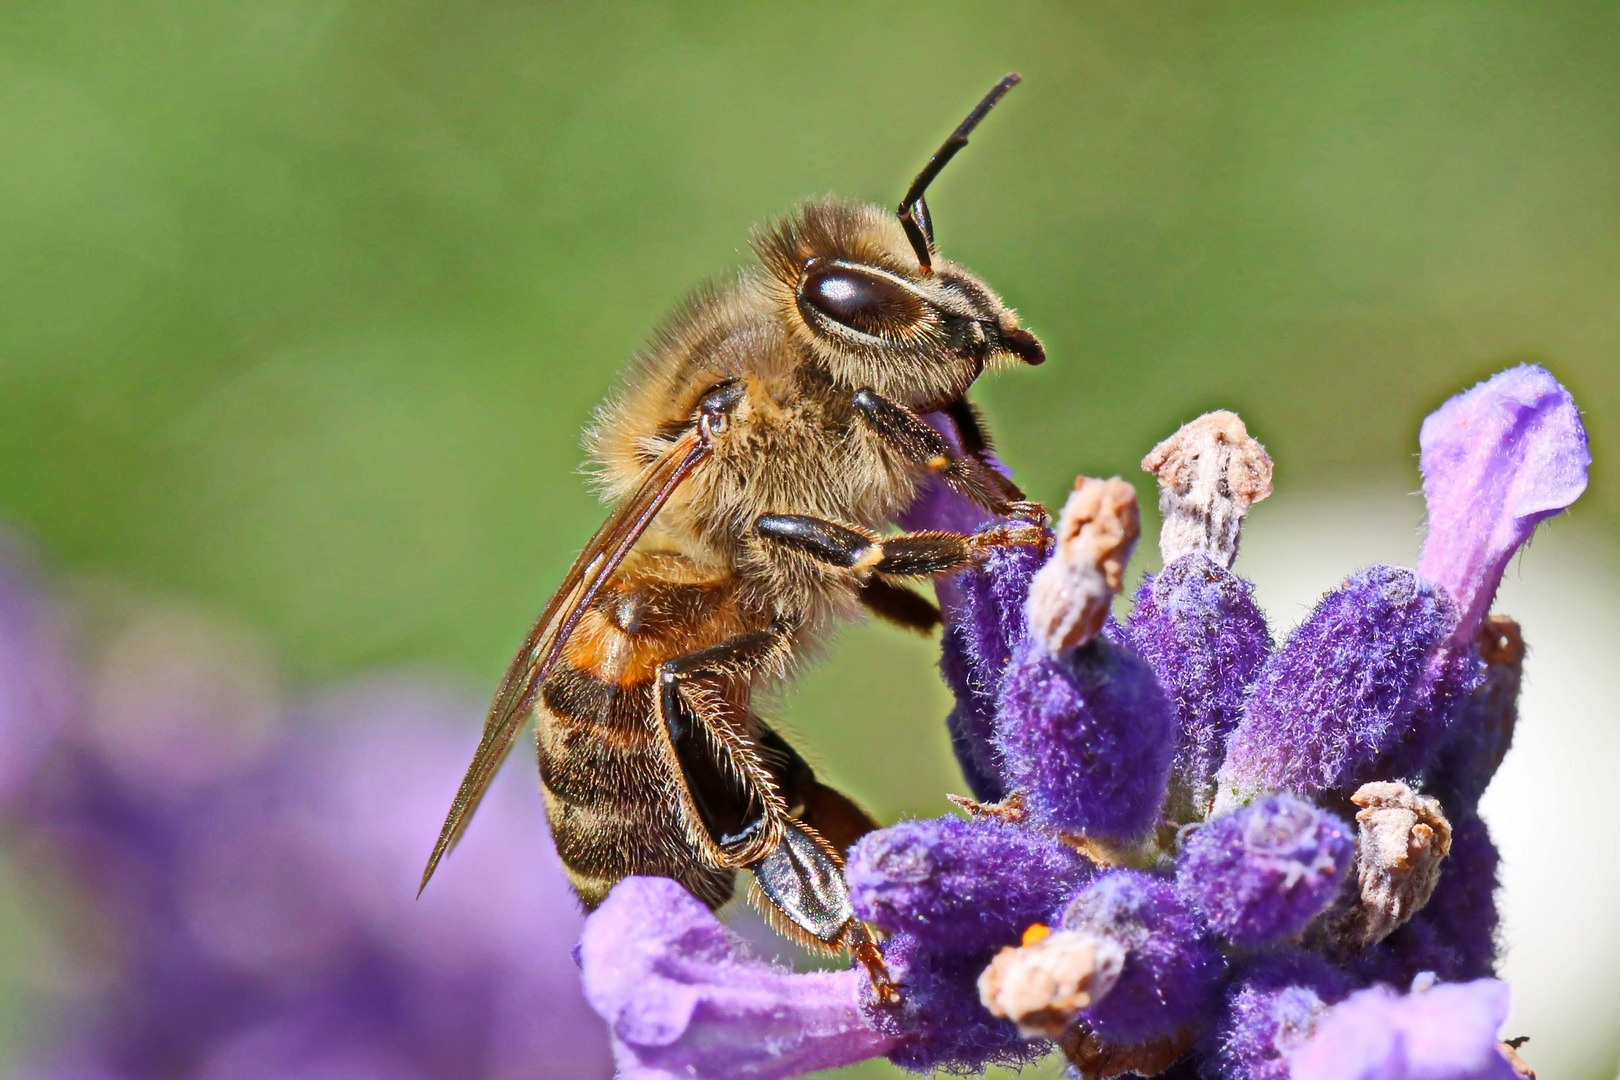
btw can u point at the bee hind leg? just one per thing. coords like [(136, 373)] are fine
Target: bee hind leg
[(801, 881)]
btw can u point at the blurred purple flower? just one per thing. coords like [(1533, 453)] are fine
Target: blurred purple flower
[(684, 999), (1445, 1032), (255, 886), (37, 691)]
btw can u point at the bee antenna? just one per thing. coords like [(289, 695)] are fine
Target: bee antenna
[(913, 209)]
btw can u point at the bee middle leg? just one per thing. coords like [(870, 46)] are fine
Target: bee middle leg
[(748, 801)]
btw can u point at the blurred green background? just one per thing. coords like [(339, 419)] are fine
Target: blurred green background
[(303, 303)]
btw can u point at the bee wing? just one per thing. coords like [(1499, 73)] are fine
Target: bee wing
[(541, 648)]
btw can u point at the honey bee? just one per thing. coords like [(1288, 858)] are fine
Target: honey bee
[(756, 452)]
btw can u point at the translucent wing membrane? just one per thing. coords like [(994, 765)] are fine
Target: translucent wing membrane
[(541, 648)]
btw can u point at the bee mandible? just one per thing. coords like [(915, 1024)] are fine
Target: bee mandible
[(756, 452)]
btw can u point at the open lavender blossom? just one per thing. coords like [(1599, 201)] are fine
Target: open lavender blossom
[(1437, 1032), (1189, 851)]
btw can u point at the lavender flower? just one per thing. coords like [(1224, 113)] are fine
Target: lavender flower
[(1261, 874), (941, 1022), (1086, 738), (1434, 1033), (1083, 728), (1182, 741)]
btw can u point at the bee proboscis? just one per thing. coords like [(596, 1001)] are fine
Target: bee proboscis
[(757, 451)]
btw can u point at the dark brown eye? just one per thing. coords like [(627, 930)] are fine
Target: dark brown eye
[(859, 299)]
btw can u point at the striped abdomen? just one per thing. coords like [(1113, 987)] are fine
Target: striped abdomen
[(610, 785)]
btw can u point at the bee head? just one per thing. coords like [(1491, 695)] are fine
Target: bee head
[(868, 296)]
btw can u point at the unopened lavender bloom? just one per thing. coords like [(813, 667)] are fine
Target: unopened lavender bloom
[(1087, 738), (683, 999), (266, 918), (1172, 968), (1197, 624), (36, 669), (961, 885), (1444, 1032), (1271, 1008), (1482, 733), (1261, 873), (1497, 460), (1351, 688), (1454, 934), (940, 1021), (982, 608)]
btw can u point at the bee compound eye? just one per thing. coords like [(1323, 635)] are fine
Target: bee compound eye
[(859, 299)]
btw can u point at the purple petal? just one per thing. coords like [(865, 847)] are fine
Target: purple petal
[(1366, 685), (960, 885), (1197, 624), (1497, 460), (1261, 873), (682, 997), (1447, 1032), (1088, 738), (1172, 968), (1271, 1008)]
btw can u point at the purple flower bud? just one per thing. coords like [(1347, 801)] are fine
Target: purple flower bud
[(682, 997), (960, 885), (1263, 872), (1199, 627), (982, 608), (1454, 934), (1172, 968), (1483, 731), (1497, 460), (1365, 684), (1445, 1032), (1087, 737), (1270, 1009), (940, 1021)]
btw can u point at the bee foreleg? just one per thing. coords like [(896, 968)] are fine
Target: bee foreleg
[(911, 554), (966, 474)]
